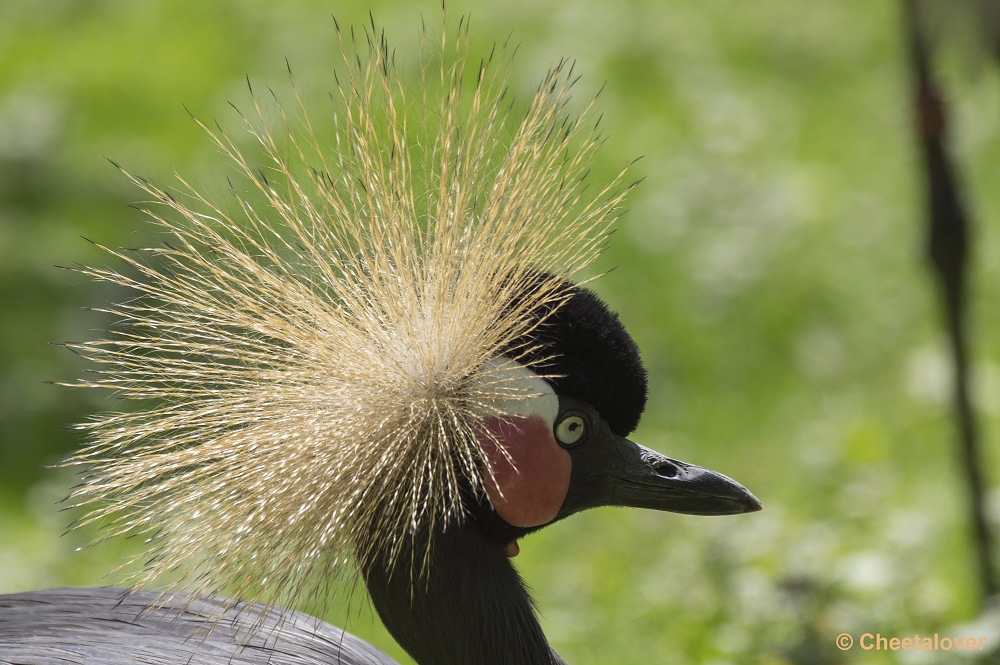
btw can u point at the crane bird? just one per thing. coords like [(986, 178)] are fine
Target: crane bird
[(372, 360)]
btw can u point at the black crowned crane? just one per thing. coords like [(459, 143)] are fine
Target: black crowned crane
[(372, 359)]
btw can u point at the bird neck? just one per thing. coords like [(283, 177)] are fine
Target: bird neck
[(472, 607)]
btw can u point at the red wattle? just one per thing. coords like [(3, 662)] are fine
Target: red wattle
[(530, 492)]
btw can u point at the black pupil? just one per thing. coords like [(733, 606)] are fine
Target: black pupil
[(574, 425)]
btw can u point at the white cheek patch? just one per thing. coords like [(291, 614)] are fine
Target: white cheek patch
[(526, 472), (526, 394)]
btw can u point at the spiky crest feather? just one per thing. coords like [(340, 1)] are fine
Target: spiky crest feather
[(313, 369)]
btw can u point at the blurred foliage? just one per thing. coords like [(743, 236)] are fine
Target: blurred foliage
[(770, 269)]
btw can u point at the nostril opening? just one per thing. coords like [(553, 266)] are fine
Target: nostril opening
[(667, 470)]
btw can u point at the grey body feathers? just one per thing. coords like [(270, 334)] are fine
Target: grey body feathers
[(109, 626)]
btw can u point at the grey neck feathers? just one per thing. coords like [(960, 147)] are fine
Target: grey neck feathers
[(472, 610)]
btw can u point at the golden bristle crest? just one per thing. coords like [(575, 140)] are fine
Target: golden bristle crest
[(314, 361)]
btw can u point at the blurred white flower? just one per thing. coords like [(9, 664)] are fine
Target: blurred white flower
[(867, 571), (928, 375), (29, 124)]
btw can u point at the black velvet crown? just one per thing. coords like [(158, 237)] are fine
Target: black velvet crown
[(595, 358)]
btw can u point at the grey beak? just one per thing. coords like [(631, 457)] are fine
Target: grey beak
[(618, 472), (650, 480)]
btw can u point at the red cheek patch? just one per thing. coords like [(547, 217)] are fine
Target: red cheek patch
[(531, 492)]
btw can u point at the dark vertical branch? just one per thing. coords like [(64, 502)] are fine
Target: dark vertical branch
[(948, 244)]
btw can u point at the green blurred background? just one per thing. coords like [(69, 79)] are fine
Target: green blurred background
[(770, 268)]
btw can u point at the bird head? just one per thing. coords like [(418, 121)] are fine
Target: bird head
[(563, 448)]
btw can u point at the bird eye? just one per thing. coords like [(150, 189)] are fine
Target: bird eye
[(571, 430)]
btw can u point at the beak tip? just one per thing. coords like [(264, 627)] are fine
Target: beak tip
[(746, 500), (741, 505), (735, 499)]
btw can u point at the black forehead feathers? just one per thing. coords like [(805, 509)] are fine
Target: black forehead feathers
[(593, 355)]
